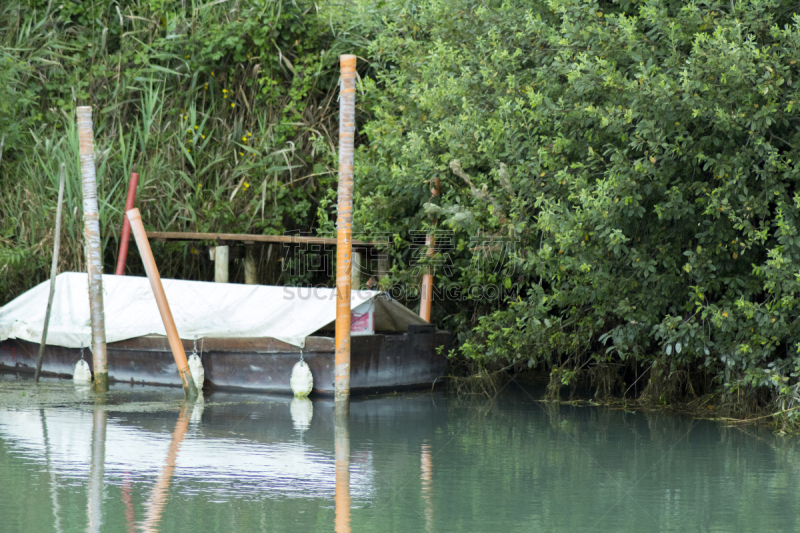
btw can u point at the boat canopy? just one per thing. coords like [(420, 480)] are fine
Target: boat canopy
[(200, 309)]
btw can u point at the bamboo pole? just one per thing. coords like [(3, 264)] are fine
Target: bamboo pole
[(126, 225), (53, 272), (344, 223), (426, 291), (163, 306), (94, 255)]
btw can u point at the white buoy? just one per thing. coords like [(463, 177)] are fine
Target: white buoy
[(302, 411), (82, 373), (196, 368), (302, 381)]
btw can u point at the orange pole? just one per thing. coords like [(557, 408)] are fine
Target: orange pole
[(126, 225), (426, 291), (344, 223), (161, 300)]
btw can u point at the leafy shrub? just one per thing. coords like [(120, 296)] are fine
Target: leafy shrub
[(642, 155)]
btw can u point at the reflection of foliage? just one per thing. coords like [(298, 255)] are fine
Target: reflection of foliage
[(645, 155)]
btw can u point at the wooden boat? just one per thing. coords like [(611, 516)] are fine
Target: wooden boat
[(379, 362), (398, 353)]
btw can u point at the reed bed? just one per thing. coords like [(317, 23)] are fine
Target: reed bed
[(226, 109)]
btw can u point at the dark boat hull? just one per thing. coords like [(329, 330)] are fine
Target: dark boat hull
[(379, 362)]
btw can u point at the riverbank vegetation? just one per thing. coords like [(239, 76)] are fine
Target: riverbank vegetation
[(226, 109), (641, 157), (624, 174)]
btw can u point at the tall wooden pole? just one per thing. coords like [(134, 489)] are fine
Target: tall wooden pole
[(344, 223), (126, 225), (94, 255), (174, 339), (426, 291), (53, 273)]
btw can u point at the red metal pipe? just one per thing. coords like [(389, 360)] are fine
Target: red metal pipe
[(126, 225)]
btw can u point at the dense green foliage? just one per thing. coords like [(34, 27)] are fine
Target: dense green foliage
[(223, 108), (622, 173), (642, 154)]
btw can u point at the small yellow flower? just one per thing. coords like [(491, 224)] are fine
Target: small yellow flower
[(203, 136), (188, 56), (225, 96), (241, 153), (224, 90), (244, 139), (246, 185), (249, 134), (233, 105), (195, 127), (185, 117), (212, 72), (725, 314), (190, 140)]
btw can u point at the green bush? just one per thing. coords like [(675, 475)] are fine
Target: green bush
[(642, 155)]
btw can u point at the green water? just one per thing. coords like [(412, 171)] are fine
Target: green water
[(417, 462)]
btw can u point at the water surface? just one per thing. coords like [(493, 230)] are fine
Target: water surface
[(143, 460)]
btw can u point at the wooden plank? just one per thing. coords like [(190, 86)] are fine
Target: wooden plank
[(291, 239)]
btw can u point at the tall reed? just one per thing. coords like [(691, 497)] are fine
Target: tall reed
[(226, 109)]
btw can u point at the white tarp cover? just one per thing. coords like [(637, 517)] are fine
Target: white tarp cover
[(200, 309)]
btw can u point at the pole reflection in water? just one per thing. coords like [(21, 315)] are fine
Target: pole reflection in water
[(97, 469), (130, 517), (51, 470), (426, 475), (158, 497), (342, 454)]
